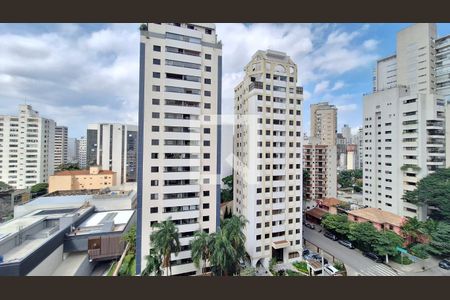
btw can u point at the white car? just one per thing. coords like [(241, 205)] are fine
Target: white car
[(331, 270)]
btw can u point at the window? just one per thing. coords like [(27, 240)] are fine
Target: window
[(207, 56), (205, 205), (153, 196), (205, 193), (155, 142), (156, 61), (207, 69), (206, 168), (153, 210), (206, 155), (207, 105), (154, 182), (154, 155), (207, 81), (156, 75), (155, 115), (208, 93), (206, 143), (207, 130), (155, 101), (156, 48), (155, 128), (208, 31), (154, 169), (156, 88)]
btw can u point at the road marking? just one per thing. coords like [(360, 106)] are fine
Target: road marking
[(380, 270)]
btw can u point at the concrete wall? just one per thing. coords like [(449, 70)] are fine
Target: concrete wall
[(48, 265)]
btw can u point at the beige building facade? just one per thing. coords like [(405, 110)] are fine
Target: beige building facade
[(94, 178)]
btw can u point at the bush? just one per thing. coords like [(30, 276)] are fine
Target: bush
[(398, 259), (340, 266), (292, 273), (420, 250), (302, 266)]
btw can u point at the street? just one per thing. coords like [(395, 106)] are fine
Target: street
[(358, 263)]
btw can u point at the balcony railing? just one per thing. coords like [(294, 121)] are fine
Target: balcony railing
[(255, 85)]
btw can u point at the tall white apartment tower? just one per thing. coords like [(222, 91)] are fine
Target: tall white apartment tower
[(27, 145), (82, 152), (404, 121), (114, 148), (61, 146), (179, 134), (268, 157)]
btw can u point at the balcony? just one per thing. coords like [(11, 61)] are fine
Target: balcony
[(255, 85)]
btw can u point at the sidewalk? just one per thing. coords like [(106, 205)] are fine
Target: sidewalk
[(417, 267)]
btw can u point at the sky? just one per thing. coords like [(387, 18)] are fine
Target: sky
[(77, 74)]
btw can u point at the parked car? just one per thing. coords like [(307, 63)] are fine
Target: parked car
[(330, 236), (331, 270), (309, 225), (346, 243), (306, 252), (373, 257), (445, 264), (318, 258)]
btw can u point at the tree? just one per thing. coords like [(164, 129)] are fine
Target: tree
[(387, 242), (223, 255), (4, 186), (233, 229), (440, 240), (420, 250), (249, 271), (227, 213), (336, 223), (153, 264), (433, 190), (412, 229), (227, 192), (68, 167), (39, 188), (201, 247), (165, 241), (349, 178), (363, 235), (306, 178), (130, 238)]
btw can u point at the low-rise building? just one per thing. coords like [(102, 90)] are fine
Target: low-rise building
[(94, 178), (379, 218)]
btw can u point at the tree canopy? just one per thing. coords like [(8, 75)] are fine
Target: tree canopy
[(4, 186), (227, 192), (387, 242), (433, 190), (336, 223), (350, 178), (39, 188), (363, 235), (440, 240)]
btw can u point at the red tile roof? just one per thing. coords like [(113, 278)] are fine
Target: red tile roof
[(83, 172), (376, 215)]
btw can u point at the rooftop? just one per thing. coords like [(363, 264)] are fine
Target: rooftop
[(316, 213), (108, 221), (378, 216), (330, 202), (83, 172)]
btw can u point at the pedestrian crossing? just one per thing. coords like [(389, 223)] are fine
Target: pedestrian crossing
[(379, 270)]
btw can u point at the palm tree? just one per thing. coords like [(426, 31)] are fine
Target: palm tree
[(165, 240), (412, 229), (130, 239), (153, 264), (201, 247), (233, 228), (223, 254)]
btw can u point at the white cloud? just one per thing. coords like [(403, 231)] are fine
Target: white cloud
[(370, 44), (338, 85), (321, 87)]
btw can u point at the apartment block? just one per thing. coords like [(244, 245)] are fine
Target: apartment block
[(72, 150), (268, 156), (92, 179), (179, 134), (61, 146), (114, 148), (27, 146), (404, 124), (82, 153)]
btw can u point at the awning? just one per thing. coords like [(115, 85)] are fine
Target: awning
[(280, 244)]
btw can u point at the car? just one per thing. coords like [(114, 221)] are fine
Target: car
[(309, 225), (331, 270), (306, 252), (318, 258), (346, 243), (330, 236), (373, 257), (445, 264)]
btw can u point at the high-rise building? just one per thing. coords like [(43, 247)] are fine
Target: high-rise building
[(114, 148), (267, 164), (179, 134), (82, 153), (324, 123), (72, 150), (61, 146), (404, 138), (27, 146), (351, 156), (341, 148), (358, 140), (347, 133)]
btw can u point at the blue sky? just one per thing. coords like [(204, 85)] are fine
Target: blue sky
[(82, 73)]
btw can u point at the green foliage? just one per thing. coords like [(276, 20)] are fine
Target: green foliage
[(130, 238), (165, 241), (143, 27), (39, 188), (364, 235), (249, 271), (201, 248), (407, 167), (440, 240), (433, 190), (302, 266), (112, 268), (4, 186), (387, 242), (153, 265), (227, 192), (404, 261), (272, 264), (126, 269), (339, 265), (336, 223), (228, 214), (68, 167), (420, 250), (349, 178), (293, 273)]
